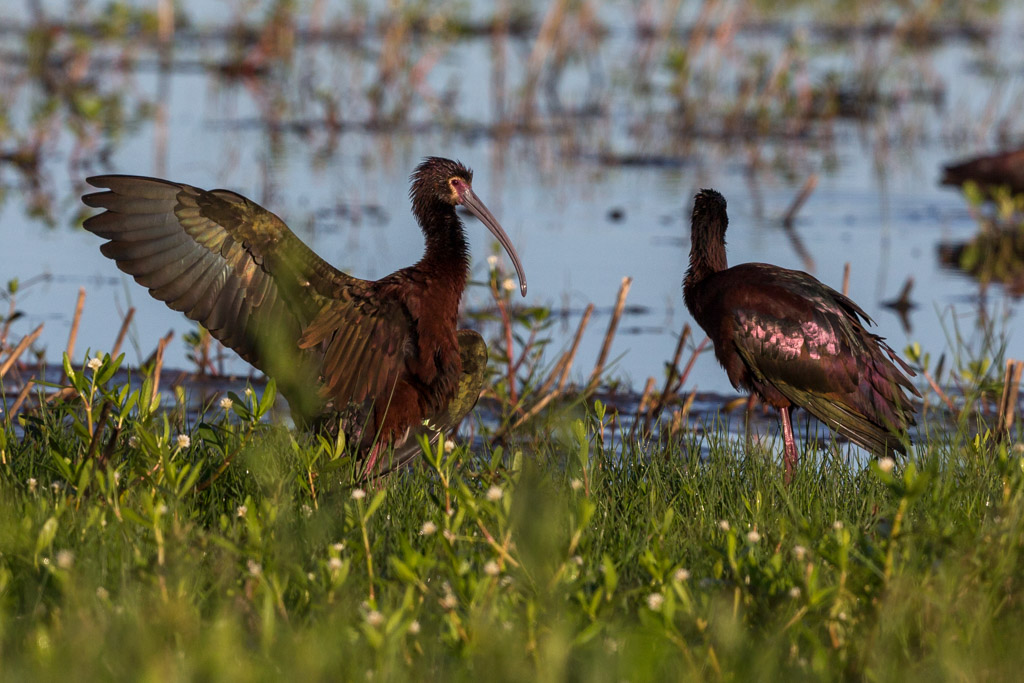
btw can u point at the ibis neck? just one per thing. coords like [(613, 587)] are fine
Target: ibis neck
[(447, 253), (707, 257)]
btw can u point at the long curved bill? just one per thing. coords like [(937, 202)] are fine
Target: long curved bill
[(473, 203)]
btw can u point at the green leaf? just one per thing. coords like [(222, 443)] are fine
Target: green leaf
[(46, 536), (404, 571), (611, 576), (109, 369), (374, 504), (267, 400), (67, 365)]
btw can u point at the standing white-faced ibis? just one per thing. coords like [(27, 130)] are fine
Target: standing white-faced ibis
[(383, 357), (792, 340)]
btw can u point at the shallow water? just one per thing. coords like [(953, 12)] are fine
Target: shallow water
[(877, 204)]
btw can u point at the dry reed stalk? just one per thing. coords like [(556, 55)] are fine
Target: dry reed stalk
[(645, 397), (529, 414), (688, 403), (938, 390), (542, 47), (122, 332), (613, 325), (570, 354), (846, 279), (11, 309), (499, 58), (643, 408), (1008, 401), (689, 365), (73, 335), (527, 347), (698, 35), (158, 363), (20, 349), (22, 395), (659, 405), (61, 394), (165, 21), (97, 433), (798, 201), (564, 364)]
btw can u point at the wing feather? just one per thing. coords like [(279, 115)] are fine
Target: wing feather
[(818, 356), (237, 269)]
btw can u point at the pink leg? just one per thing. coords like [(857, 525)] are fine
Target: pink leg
[(790, 458), (371, 458)]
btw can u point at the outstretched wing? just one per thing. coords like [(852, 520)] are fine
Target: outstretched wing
[(809, 345), (236, 268)]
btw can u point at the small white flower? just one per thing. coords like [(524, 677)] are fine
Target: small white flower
[(414, 627), (241, 510), (449, 601), (575, 484), (254, 567), (449, 445), (886, 464), (184, 441), (428, 528), (65, 559), (374, 618), (577, 560), (800, 552), (682, 575), (95, 364), (335, 564), (492, 568), (358, 494), (794, 592), (494, 493), (57, 486), (655, 601), (306, 510), (837, 525), (32, 484), (249, 391), (753, 536), (508, 284), (723, 524), (226, 403), (162, 509), (133, 441), (449, 536), (338, 547), (841, 616), (492, 261), (102, 593)]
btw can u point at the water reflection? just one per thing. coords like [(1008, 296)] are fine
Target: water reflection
[(568, 111)]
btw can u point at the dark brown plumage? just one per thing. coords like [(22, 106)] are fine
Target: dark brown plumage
[(991, 171), (795, 341), (384, 355)]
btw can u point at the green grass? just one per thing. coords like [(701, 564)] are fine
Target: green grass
[(554, 559)]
